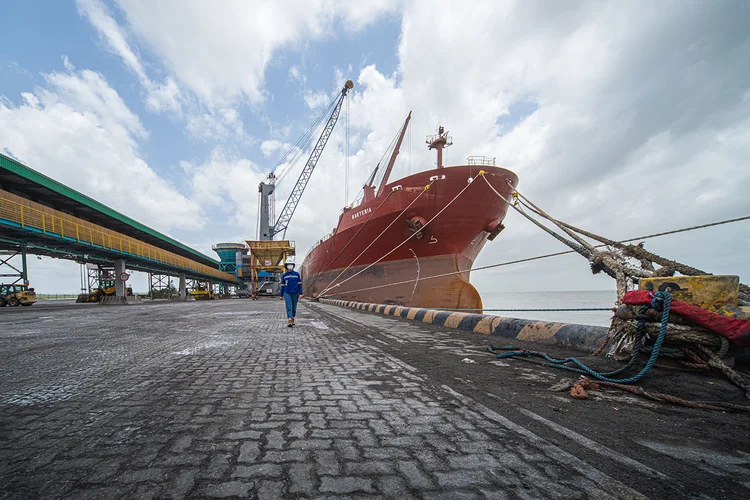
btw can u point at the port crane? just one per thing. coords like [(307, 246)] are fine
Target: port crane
[(270, 251), (266, 189)]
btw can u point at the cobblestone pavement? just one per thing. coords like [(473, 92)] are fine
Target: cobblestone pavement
[(221, 399)]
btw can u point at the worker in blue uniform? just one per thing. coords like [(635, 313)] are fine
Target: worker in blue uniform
[(290, 290)]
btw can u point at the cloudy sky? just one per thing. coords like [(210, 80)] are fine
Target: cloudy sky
[(621, 117)]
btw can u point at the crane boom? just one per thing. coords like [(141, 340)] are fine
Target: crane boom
[(285, 216)]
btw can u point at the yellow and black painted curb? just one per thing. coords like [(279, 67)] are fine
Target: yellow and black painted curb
[(581, 337)]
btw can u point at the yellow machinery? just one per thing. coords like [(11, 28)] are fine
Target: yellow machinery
[(268, 256), (99, 293), (202, 292), (16, 295), (716, 293)]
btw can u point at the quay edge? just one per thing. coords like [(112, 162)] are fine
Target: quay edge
[(584, 338)]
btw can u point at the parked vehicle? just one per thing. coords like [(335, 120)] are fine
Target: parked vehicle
[(97, 294), (15, 295)]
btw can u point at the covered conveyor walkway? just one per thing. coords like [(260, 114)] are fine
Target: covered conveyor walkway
[(38, 215)]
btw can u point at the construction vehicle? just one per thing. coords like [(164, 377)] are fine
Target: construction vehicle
[(202, 292), (16, 295), (97, 294)]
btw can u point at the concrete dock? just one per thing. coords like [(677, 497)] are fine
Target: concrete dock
[(221, 399)]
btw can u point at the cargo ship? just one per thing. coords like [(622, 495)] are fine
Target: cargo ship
[(412, 241)]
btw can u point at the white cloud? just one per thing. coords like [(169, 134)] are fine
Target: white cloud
[(203, 120), (111, 35), (316, 99), (164, 97), (296, 74), (221, 51), (270, 146), (159, 97), (223, 124), (227, 186), (78, 131)]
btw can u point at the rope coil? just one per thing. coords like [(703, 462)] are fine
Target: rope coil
[(660, 300)]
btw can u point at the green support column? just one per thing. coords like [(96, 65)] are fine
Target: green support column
[(24, 268)]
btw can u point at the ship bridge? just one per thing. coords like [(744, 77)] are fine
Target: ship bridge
[(41, 216)]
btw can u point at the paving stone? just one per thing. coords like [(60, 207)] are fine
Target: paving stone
[(494, 494), (270, 490), (429, 460), (368, 468), (229, 489), (182, 443), (297, 430), (259, 470), (97, 493), (364, 437), (332, 433), (385, 453), (236, 436), (461, 479), (415, 476), (217, 467), (286, 456), (454, 495), (393, 486), (103, 472), (327, 463), (346, 485), (275, 440), (182, 460), (473, 461), (182, 484), (301, 479), (138, 476), (249, 451)]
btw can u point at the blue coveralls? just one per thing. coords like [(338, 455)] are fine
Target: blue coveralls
[(291, 287)]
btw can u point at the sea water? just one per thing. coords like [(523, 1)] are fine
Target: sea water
[(553, 300)]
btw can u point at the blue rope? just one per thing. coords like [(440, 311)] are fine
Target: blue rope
[(660, 300)]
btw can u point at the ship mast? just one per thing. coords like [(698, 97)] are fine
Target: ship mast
[(439, 141), (396, 150)]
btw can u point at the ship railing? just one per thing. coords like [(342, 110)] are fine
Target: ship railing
[(481, 160), (323, 239)]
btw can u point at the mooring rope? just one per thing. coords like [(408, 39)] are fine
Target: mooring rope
[(662, 299), (575, 246), (585, 383)]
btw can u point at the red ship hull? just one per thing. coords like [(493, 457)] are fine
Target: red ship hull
[(446, 246)]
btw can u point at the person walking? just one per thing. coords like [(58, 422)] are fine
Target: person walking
[(290, 289)]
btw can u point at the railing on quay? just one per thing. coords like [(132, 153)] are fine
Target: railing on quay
[(37, 218)]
